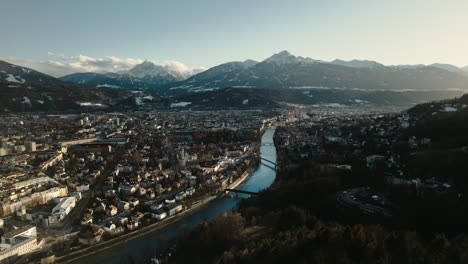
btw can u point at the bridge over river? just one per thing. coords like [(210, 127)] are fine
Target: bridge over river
[(141, 249)]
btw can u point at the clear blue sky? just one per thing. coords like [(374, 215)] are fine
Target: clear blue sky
[(203, 33)]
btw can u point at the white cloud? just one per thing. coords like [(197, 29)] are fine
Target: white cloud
[(180, 68), (60, 64)]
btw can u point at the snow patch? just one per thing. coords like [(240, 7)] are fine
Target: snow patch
[(26, 100), (16, 79), (359, 101), (331, 105), (107, 86), (449, 109), (138, 101), (246, 101), (90, 104), (181, 104)]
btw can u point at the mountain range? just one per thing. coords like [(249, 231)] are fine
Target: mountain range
[(283, 70), (23, 89), (279, 80), (146, 75)]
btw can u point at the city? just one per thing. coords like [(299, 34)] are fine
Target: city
[(233, 132)]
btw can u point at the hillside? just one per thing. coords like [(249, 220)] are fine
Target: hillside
[(24, 90)]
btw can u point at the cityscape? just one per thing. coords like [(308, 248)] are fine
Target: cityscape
[(246, 153)]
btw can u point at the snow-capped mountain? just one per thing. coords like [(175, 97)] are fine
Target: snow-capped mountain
[(285, 57), (284, 70), (24, 89), (15, 74), (142, 76)]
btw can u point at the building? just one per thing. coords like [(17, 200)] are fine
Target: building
[(19, 149), (172, 209), (33, 182), (65, 205), (30, 146), (3, 152), (18, 242), (83, 187), (61, 210), (159, 214)]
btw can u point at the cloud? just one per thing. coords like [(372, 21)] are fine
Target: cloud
[(176, 67), (60, 64)]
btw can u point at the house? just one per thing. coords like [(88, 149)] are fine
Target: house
[(127, 189), (122, 220), (190, 191), (115, 231), (170, 200), (134, 202), (180, 196), (111, 210), (154, 207), (172, 209), (159, 214), (132, 225), (123, 206)]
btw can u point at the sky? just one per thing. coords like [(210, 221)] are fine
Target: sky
[(60, 37)]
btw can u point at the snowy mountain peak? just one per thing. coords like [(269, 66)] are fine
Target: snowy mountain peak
[(282, 57), (285, 57), (147, 68), (285, 53)]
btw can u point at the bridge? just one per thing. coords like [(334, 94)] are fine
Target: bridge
[(268, 163), (268, 144), (240, 191)]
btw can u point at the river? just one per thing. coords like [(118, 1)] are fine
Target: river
[(140, 249)]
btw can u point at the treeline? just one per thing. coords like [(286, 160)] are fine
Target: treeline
[(293, 235), (296, 221)]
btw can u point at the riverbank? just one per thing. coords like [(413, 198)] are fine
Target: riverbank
[(157, 239), (198, 205), (74, 256)]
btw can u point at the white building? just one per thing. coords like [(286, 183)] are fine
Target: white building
[(18, 242), (62, 209), (65, 205), (159, 214)]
